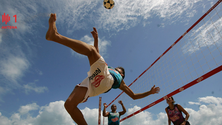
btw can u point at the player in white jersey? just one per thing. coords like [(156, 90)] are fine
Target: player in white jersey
[(99, 78)]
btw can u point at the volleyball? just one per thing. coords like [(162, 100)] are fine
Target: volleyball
[(108, 4)]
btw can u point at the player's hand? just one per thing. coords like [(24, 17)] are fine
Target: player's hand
[(120, 102), (104, 104), (154, 90), (184, 123), (94, 33)]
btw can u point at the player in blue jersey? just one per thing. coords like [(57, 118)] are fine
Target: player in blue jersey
[(101, 78), (114, 116)]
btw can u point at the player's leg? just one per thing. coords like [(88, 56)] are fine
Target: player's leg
[(72, 102), (77, 45)]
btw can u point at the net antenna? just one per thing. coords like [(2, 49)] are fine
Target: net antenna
[(99, 118), (193, 57)]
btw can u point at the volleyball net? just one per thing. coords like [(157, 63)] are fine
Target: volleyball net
[(193, 57)]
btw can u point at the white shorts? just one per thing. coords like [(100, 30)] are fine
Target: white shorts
[(99, 79)]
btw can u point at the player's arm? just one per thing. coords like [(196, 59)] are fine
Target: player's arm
[(95, 36), (169, 122), (135, 96), (123, 107), (105, 114), (184, 111)]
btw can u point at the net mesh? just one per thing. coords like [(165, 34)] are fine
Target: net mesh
[(197, 52)]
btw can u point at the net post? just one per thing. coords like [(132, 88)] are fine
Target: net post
[(99, 118)]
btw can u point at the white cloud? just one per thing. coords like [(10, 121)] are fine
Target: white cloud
[(211, 99), (128, 13), (52, 114), (144, 118), (25, 109), (16, 49), (194, 103), (13, 67), (26, 15), (91, 115), (4, 120), (32, 87), (14, 61), (209, 113), (124, 15), (207, 35)]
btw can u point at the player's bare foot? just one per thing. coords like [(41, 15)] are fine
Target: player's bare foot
[(52, 31)]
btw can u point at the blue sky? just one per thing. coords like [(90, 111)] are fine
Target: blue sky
[(37, 76)]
